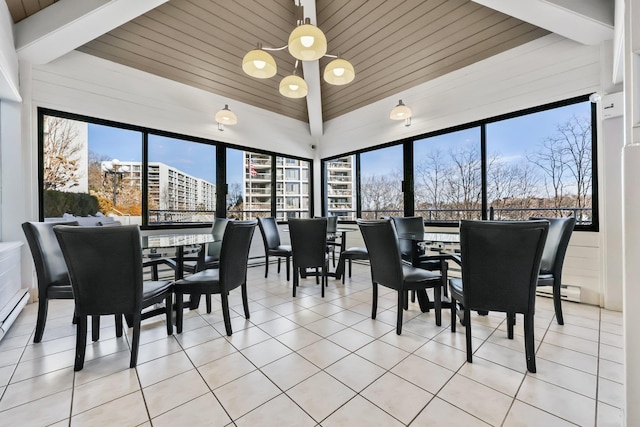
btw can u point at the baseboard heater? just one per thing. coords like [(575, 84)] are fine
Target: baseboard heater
[(12, 296), (12, 309), (567, 292)]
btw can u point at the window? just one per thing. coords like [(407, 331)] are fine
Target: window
[(181, 181), (381, 183), (90, 169), (540, 164), (339, 177), (536, 162), (92, 166), (447, 174), (249, 184), (293, 203)]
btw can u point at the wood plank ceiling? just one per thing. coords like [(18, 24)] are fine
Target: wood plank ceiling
[(393, 45)]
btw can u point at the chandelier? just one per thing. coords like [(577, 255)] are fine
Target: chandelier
[(306, 43)]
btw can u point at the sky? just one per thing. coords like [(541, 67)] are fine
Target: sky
[(509, 137)]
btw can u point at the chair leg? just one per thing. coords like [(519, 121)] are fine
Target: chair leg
[(405, 301), (288, 268), (118, 325), (557, 302), (374, 304), (135, 342), (454, 318), (179, 309), (168, 307), (444, 273), (279, 264), (467, 316), (350, 265), (81, 342), (402, 300), (245, 300), (225, 313), (266, 266), (413, 296), (208, 301), (437, 303), (511, 320), (317, 278), (529, 343), (43, 305), (323, 273), (95, 328), (295, 279)]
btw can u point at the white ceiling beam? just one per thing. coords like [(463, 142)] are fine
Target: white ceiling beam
[(311, 70), (68, 24), (589, 22)]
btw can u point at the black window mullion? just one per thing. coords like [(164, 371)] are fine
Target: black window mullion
[(483, 170), (273, 186), (358, 188), (145, 179), (407, 183), (221, 182)]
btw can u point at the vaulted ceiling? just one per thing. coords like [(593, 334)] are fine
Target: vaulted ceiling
[(393, 45)]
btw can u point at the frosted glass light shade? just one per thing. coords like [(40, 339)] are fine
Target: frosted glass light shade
[(339, 72), (293, 87), (226, 116), (400, 112), (259, 64), (307, 43)]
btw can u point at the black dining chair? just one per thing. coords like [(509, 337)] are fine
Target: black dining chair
[(415, 224), (209, 254), (560, 230), (334, 241), (309, 248), (387, 269), (105, 267), (349, 255), (51, 270), (272, 246), (500, 263), (230, 274)]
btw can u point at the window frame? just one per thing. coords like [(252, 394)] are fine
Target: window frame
[(408, 182), (221, 165)]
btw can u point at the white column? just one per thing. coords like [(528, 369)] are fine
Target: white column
[(631, 211)]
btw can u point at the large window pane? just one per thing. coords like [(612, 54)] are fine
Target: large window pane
[(292, 176), (91, 169), (381, 183), (340, 187), (448, 176), (182, 176), (249, 184), (541, 164)]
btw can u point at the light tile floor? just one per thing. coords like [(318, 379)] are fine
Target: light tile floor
[(308, 361)]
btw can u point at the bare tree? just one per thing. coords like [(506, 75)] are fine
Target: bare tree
[(62, 153), (429, 180), (464, 181), (235, 200), (565, 159), (576, 136), (381, 194)]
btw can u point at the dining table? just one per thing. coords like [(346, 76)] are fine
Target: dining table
[(421, 241), (179, 242)]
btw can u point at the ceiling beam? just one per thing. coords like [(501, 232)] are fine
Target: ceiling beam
[(589, 22), (68, 24), (311, 70)]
